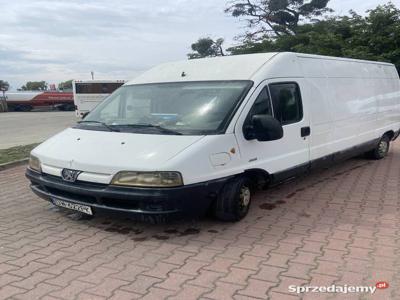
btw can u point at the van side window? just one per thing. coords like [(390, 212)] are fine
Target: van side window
[(262, 105), (286, 100)]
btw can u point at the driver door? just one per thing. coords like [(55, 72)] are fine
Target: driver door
[(289, 155)]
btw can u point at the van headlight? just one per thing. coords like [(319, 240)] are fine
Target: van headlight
[(148, 179), (34, 163)]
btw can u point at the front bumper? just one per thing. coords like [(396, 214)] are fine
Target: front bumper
[(185, 201)]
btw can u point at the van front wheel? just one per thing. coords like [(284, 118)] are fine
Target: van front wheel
[(234, 200), (382, 149)]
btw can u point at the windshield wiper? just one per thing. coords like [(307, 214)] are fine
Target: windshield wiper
[(160, 128), (101, 123)]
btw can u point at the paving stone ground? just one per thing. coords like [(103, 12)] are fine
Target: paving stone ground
[(336, 226)]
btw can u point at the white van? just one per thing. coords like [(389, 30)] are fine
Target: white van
[(198, 135)]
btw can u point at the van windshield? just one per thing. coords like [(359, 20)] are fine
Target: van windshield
[(184, 108)]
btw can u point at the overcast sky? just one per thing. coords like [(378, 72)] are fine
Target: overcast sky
[(56, 40)]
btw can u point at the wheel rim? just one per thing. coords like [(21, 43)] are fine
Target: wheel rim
[(244, 198), (383, 148)]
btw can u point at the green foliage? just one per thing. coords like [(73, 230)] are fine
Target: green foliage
[(374, 37), (35, 86), (15, 153), (207, 47), (66, 85), (275, 17)]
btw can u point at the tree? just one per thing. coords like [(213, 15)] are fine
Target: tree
[(207, 47), (275, 17), (66, 85), (374, 37), (35, 86), (377, 36), (4, 86)]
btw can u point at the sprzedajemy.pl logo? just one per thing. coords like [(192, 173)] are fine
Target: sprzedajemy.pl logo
[(340, 289)]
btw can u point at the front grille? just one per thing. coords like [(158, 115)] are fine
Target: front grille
[(78, 183)]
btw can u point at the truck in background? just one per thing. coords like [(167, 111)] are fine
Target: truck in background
[(88, 93), (26, 101)]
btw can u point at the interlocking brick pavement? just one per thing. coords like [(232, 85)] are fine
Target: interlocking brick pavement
[(335, 226)]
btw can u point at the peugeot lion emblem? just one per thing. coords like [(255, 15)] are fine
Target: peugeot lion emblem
[(70, 175)]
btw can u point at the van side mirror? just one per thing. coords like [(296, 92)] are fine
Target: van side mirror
[(84, 115), (264, 128)]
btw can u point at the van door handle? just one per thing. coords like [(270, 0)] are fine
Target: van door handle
[(305, 131)]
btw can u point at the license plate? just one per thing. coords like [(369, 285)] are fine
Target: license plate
[(78, 207)]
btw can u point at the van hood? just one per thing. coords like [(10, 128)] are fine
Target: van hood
[(103, 152)]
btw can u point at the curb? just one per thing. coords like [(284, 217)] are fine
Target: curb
[(14, 163)]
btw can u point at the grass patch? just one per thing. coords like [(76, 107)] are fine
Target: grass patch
[(15, 153)]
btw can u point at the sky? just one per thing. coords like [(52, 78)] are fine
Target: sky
[(57, 40)]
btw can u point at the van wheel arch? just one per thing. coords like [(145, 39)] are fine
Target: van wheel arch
[(259, 177), (389, 134)]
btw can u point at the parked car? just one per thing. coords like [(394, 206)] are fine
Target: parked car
[(193, 136)]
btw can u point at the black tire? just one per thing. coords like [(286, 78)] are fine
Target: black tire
[(26, 108), (66, 107), (234, 200), (381, 150)]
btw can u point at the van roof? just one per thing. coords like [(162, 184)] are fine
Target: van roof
[(238, 67)]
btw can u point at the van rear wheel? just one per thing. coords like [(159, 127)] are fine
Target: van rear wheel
[(381, 150), (234, 200)]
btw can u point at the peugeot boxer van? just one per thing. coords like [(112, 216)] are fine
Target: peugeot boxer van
[(188, 137)]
